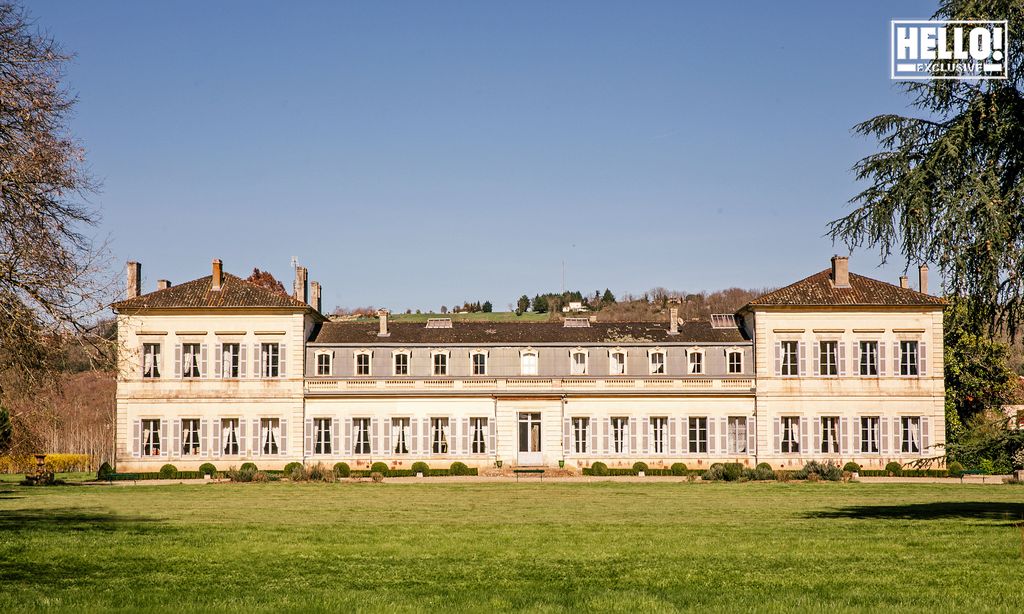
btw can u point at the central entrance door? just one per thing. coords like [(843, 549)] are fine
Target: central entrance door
[(529, 440)]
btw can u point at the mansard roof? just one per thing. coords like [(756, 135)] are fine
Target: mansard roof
[(818, 290), (234, 292), (523, 333)]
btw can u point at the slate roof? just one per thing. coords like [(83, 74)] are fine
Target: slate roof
[(522, 333), (234, 292), (818, 290)]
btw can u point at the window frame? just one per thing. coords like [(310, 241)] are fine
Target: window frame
[(615, 366), (573, 364), (789, 435), (536, 362), (401, 426), (785, 364), (905, 365), (580, 426), (697, 435), (834, 429), (326, 356), (700, 363), (226, 443), (323, 435), (735, 441), (153, 356), (828, 358), (440, 435), (270, 446), (659, 368), (445, 362), (479, 431), (407, 354), (270, 361), (356, 367), (863, 365), (195, 369), (729, 353), (361, 443), (230, 357), (620, 434), (905, 442), (659, 434), (865, 426), (154, 445), (473, 355), (190, 437)]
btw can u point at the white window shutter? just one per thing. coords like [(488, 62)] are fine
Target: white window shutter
[(202, 361), (218, 358), (855, 431), (805, 436), (491, 436), (204, 438), (842, 358), (137, 438), (607, 428), (802, 369), (922, 358), (896, 358), (855, 363), (778, 358), (723, 434), (883, 425), (845, 441), (882, 363), (335, 436), (309, 436), (256, 447), (375, 430), (592, 427), (347, 451), (176, 442), (712, 439), (464, 432), (427, 448), (897, 435), (926, 435), (177, 360), (645, 432), (164, 448), (777, 439), (282, 355), (386, 437), (672, 435), (816, 370), (414, 441), (217, 448), (631, 426), (566, 436), (242, 441), (751, 436), (817, 436), (282, 446)]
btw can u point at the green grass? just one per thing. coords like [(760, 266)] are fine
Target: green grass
[(497, 316), (76, 476), (485, 546)]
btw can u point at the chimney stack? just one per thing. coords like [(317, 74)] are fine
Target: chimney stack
[(300, 289), (922, 278), (314, 296), (134, 279), (382, 314), (904, 282), (840, 271), (673, 320), (218, 275), (162, 284)]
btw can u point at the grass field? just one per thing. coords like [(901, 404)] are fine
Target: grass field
[(608, 546)]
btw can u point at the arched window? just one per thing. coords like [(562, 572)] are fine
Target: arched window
[(578, 361), (528, 360), (657, 361), (363, 358), (617, 362)]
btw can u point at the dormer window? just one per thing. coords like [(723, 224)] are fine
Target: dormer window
[(324, 363), (617, 362), (440, 362), (695, 361), (578, 362), (657, 361), (734, 361), (363, 362), (478, 359), (528, 362), (400, 362)]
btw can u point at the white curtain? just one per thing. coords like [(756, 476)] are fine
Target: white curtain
[(445, 434), (270, 435), (402, 440), (147, 363), (529, 364), (227, 435), (187, 361), (147, 439), (915, 434)]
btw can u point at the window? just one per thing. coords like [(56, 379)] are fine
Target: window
[(230, 360), (695, 362), (361, 431), (908, 357), (736, 433), (190, 356), (869, 435), (735, 361), (528, 363), (323, 363), (698, 435), (401, 363), (270, 434), (362, 363), (790, 435), (579, 363), (659, 434), (580, 434), (828, 358), (150, 360), (150, 437), (657, 363), (190, 437), (479, 363), (620, 435), (322, 436), (479, 428), (439, 435), (271, 360), (229, 436), (400, 431), (790, 358), (830, 435), (440, 363), (911, 434), (869, 358), (617, 363)]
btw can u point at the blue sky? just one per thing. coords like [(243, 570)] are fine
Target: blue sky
[(413, 154)]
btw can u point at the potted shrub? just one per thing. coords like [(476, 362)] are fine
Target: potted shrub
[(561, 463), (497, 463)]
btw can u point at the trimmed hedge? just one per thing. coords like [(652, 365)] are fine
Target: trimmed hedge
[(908, 473), (380, 467), (208, 469), (420, 467), (852, 467), (640, 466), (168, 471), (342, 470), (651, 472), (458, 468), (678, 469), (894, 468), (409, 473)]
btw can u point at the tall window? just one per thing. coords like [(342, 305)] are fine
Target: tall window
[(190, 357), (736, 434), (828, 359), (190, 437), (620, 435), (790, 358), (440, 363), (400, 432), (150, 437), (790, 434), (150, 360), (270, 435), (698, 435), (528, 363), (322, 436), (869, 358), (479, 428), (869, 435), (908, 358), (362, 363), (479, 363), (830, 435), (323, 364), (439, 435), (580, 434), (229, 436), (230, 360), (657, 363), (401, 364), (361, 434), (579, 363), (659, 434), (271, 359), (735, 360), (618, 363), (911, 434), (695, 360)]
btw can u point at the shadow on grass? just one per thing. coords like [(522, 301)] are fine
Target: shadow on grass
[(1009, 513)]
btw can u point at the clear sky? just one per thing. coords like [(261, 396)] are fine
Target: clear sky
[(413, 154)]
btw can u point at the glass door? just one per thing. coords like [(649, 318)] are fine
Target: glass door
[(529, 439)]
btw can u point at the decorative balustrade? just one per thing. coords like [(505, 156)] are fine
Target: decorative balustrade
[(536, 384)]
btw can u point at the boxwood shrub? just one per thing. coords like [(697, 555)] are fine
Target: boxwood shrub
[(894, 468), (640, 466), (290, 467), (678, 469), (852, 467), (106, 472), (380, 467), (956, 470), (248, 467), (207, 469), (598, 468), (342, 470), (458, 468), (420, 467), (168, 471)]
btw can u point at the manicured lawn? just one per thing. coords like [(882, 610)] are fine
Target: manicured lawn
[(486, 546)]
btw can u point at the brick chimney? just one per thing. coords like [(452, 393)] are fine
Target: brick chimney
[(218, 275), (922, 278), (904, 282), (134, 279), (162, 284), (673, 320), (382, 315), (840, 271), (314, 295), (300, 289)]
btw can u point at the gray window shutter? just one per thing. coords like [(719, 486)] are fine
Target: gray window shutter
[(633, 428), (176, 442), (385, 448), (218, 358), (855, 355), (816, 365), (414, 430), (466, 448), (606, 426), (282, 446), (817, 436), (777, 426), (896, 358), (723, 434), (348, 438), (204, 438), (672, 434), (805, 436), (922, 358), (685, 423), (492, 435), (592, 427), (137, 438), (335, 436), (897, 435), (926, 436), (802, 369), (751, 436), (177, 360), (712, 439), (883, 444), (216, 449), (855, 422), (164, 448), (566, 436), (645, 431), (202, 361), (242, 359), (778, 358), (375, 433), (257, 368), (426, 436), (257, 449), (242, 440), (845, 437), (841, 348), (309, 436), (282, 352), (882, 363)]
